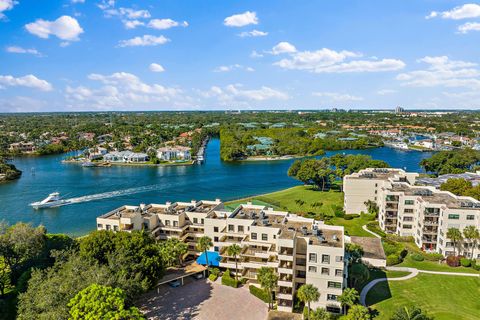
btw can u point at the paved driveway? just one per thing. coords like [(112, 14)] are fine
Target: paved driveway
[(202, 300)]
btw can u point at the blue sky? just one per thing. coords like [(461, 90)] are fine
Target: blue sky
[(84, 55)]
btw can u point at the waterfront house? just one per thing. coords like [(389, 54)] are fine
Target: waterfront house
[(301, 250), (174, 153), (125, 156), (23, 147)]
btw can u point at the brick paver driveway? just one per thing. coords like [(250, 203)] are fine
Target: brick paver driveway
[(203, 300)]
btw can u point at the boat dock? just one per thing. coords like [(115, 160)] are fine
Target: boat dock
[(201, 151)]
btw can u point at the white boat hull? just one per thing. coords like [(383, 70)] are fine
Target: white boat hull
[(38, 205)]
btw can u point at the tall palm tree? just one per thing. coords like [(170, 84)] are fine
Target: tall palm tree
[(234, 250), (472, 234), (268, 279), (348, 297), (455, 235), (308, 293), (204, 243), (410, 313)]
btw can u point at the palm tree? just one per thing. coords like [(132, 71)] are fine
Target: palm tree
[(410, 313), (455, 235), (472, 234), (233, 251), (348, 297), (268, 279), (308, 293), (204, 243)]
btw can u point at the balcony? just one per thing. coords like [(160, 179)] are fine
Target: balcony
[(430, 230), (391, 205), (232, 239), (285, 283), (285, 303), (430, 222), (429, 239), (431, 212), (391, 198), (249, 274)]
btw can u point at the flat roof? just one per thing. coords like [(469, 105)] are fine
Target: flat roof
[(372, 247)]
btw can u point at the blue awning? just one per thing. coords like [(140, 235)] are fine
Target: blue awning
[(213, 259)]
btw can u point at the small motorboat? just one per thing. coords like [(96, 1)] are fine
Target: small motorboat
[(53, 200)]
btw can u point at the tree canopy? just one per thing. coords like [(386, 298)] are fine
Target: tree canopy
[(458, 161)]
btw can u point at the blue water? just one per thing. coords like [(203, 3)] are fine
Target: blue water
[(109, 188)]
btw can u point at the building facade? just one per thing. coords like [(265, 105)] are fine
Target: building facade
[(174, 153), (407, 209), (301, 250)]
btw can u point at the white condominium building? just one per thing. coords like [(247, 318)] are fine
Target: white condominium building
[(301, 250), (407, 209)]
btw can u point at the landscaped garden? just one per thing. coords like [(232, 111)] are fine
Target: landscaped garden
[(443, 297)]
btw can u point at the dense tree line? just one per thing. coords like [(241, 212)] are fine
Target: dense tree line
[(8, 171), (461, 187), (458, 161), (323, 173)]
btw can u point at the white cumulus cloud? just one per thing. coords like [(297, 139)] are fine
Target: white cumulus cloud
[(241, 19), (253, 33), (29, 81), (469, 10), (337, 97), (155, 67), (233, 67), (283, 47), (143, 41), (65, 28), (236, 93), (330, 61), (6, 5), (16, 49), (163, 24), (469, 26)]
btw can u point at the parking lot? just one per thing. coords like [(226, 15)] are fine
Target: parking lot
[(202, 300)]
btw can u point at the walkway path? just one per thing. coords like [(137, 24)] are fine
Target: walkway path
[(364, 227), (413, 273)]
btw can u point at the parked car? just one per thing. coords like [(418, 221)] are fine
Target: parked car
[(197, 276), (175, 283)]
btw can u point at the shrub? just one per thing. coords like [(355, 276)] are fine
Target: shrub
[(417, 257), (215, 271), (351, 216), (465, 262), (243, 280), (433, 256), (213, 277), (259, 293), (476, 267), (338, 211), (453, 261), (393, 259), (227, 280)]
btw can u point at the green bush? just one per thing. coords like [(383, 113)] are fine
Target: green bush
[(417, 257), (215, 271), (373, 226), (393, 259), (433, 256), (351, 216), (213, 277), (227, 280), (477, 267), (243, 280), (465, 262), (259, 293)]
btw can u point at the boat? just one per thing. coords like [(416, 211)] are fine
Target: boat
[(53, 200), (88, 164)]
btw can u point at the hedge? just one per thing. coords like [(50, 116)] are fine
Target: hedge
[(433, 256), (417, 257), (227, 280), (259, 293), (393, 259), (465, 262)]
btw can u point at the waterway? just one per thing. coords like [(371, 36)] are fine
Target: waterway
[(98, 190)]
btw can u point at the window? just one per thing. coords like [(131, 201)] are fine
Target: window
[(454, 216), (312, 269), (325, 271), (167, 222), (333, 309), (195, 220), (470, 217), (408, 210), (115, 228), (312, 257), (231, 228), (332, 297), (240, 229), (254, 236), (407, 226), (325, 258), (175, 223), (333, 284), (338, 272), (108, 227), (407, 218), (264, 237), (99, 225), (203, 221), (215, 229), (338, 258), (408, 202), (215, 239)]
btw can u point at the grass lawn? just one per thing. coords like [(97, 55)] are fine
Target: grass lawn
[(316, 204), (443, 297), (433, 266)]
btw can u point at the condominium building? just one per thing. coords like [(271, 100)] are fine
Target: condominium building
[(301, 250), (407, 209), (174, 153), (25, 147)]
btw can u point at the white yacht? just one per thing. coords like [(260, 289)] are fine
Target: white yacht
[(53, 200)]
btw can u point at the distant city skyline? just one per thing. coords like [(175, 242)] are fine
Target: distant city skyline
[(106, 55)]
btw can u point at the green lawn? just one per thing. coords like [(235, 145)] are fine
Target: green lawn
[(444, 297), (433, 266), (325, 204)]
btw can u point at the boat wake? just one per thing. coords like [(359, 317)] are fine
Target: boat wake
[(111, 194)]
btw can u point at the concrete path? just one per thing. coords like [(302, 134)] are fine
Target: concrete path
[(364, 227), (413, 273)]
